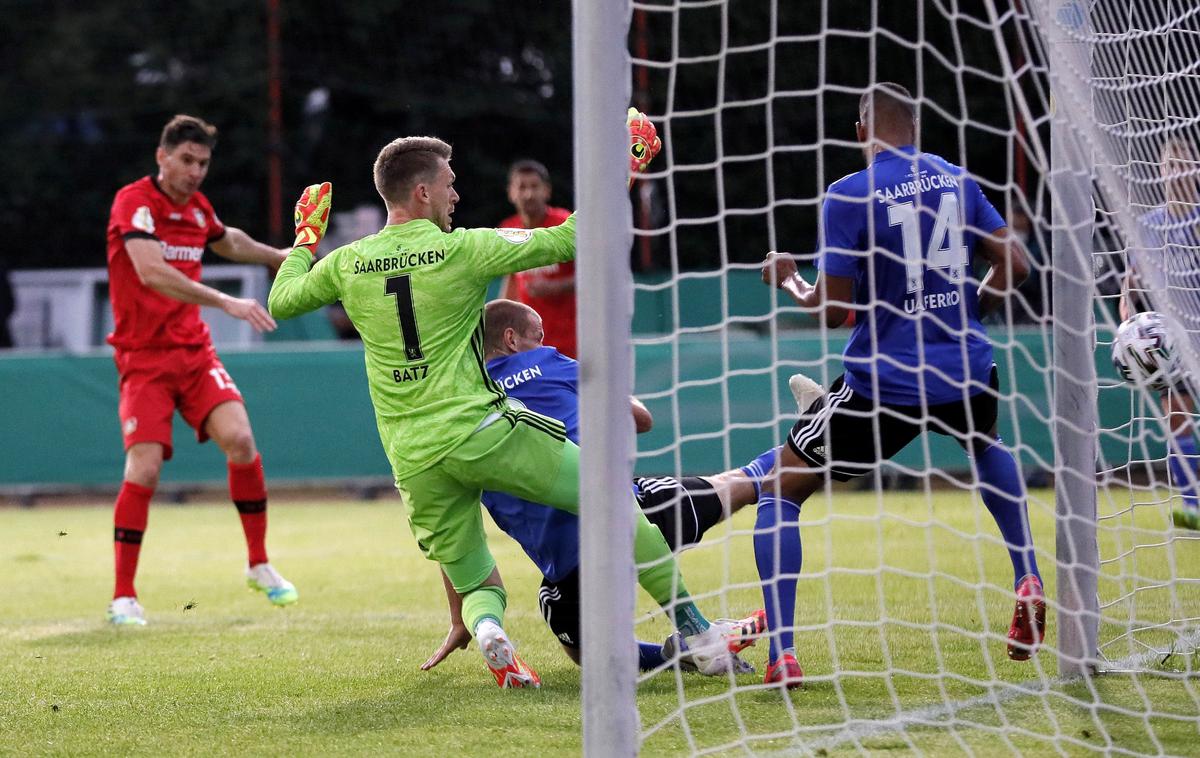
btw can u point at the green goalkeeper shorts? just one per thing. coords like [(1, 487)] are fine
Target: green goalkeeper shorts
[(522, 453)]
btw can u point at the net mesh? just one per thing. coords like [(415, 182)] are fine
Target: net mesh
[(905, 592), (1144, 84)]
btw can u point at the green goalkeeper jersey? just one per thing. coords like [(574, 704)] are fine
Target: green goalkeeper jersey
[(416, 296)]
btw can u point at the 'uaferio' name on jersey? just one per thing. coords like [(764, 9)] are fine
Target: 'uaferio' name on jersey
[(400, 261), (931, 301)]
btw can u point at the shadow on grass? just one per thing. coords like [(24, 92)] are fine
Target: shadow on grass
[(434, 710), (664, 684), (165, 626)]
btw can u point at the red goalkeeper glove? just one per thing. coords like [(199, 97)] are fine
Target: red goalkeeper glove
[(644, 143), (312, 215)]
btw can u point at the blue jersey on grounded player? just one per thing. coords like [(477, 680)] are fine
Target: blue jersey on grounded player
[(546, 381), (905, 230)]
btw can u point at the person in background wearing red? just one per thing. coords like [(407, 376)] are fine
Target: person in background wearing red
[(549, 290)]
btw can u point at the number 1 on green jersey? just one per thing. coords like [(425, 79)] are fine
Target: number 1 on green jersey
[(401, 288)]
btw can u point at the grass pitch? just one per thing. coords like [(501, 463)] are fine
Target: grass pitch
[(219, 671)]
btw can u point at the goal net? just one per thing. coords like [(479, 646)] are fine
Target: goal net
[(1079, 121)]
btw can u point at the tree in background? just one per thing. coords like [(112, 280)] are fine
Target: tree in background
[(88, 85)]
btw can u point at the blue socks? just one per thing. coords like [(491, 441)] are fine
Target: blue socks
[(1182, 461), (649, 656), (778, 555), (1004, 495), (758, 468)]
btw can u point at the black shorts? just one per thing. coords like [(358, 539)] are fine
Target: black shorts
[(838, 431), (559, 603), (682, 509)]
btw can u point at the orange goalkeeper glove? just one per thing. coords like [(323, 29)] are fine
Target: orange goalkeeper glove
[(644, 143), (312, 215)]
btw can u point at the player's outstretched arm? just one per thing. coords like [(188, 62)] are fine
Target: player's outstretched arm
[(154, 272), (1124, 304), (459, 636), (499, 252), (1009, 266), (829, 298), (240, 247), (300, 286)]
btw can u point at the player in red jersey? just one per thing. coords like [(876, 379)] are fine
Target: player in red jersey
[(157, 231), (549, 290)]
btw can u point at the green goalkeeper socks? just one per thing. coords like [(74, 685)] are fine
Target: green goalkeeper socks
[(659, 574), (484, 602), (660, 577), (688, 618)]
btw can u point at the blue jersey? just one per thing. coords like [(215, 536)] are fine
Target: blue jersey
[(904, 229), (546, 381), (1167, 263)]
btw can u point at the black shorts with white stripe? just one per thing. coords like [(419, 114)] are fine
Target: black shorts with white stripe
[(848, 434), (682, 509), (559, 604)]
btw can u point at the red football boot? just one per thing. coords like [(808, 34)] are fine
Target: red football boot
[(1028, 627), (785, 671), (747, 631)]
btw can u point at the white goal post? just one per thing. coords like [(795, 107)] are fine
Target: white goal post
[(607, 581)]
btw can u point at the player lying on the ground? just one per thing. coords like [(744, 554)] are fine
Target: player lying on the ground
[(1168, 256), (157, 232), (415, 292), (546, 381), (897, 246)]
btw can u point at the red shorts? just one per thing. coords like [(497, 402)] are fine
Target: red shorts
[(156, 382)]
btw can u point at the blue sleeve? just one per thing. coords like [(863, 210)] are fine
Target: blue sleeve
[(1149, 238), (841, 227), (986, 218), (567, 370)]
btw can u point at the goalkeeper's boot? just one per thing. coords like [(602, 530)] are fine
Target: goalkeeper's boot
[(785, 671), (713, 651), (1186, 518), (805, 390), (125, 611), (1028, 627), (264, 578), (501, 657), (674, 648)]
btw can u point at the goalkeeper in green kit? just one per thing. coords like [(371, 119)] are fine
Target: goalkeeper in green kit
[(415, 291)]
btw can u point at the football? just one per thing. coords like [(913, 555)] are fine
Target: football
[(1143, 353)]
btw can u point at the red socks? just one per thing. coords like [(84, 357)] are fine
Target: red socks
[(129, 523), (249, 493)]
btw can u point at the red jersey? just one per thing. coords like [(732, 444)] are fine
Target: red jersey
[(144, 318), (557, 311)]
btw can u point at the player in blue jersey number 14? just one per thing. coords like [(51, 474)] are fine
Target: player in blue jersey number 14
[(898, 239)]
